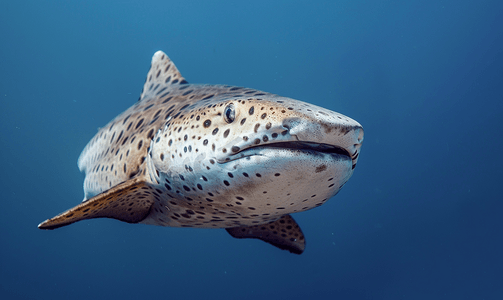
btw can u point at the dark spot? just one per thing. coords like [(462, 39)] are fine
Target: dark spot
[(320, 168), (226, 133), (120, 136), (226, 183), (157, 113), (252, 109), (123, 122), (167, 99), (139, 124), (256, 127), (258, 175), (243, 121), (235, 149), (265, 138), (215, 131), (207, 123), (263, 116), (150, 134)]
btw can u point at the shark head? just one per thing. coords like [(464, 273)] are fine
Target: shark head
[(262, 156)]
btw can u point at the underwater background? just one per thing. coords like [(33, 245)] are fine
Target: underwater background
[(421, 218)]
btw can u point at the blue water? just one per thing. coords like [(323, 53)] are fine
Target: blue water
[(421, 218)]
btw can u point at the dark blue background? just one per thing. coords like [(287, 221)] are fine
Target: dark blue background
[(420, 219)]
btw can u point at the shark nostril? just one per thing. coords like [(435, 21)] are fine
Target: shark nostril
[(291, 123), (360, 136)]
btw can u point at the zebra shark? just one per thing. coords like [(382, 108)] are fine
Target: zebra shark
[(215, 156)]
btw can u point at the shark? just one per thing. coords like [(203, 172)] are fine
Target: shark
[(215, 156)]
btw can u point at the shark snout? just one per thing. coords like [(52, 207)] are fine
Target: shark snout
[(319, 130), (337, 130)]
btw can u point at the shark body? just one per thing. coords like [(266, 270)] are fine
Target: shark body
[(214, 156)]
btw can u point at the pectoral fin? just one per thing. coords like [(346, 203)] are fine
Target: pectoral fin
[(129, 201), (283, 233)]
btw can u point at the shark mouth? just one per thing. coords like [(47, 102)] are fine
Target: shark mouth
[(305, 147)]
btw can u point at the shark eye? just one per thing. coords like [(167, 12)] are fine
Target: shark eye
[(229, 113)]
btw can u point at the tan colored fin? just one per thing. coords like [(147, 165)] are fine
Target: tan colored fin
[(283, 233), (129, 201), (162, 74)]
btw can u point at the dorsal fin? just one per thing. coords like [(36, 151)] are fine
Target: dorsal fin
[(163, 73), (283, 233), (129, 201)]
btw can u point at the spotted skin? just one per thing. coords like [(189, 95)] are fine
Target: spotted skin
[(214, 156)]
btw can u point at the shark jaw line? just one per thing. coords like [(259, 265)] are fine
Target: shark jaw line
[(309, 148)]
